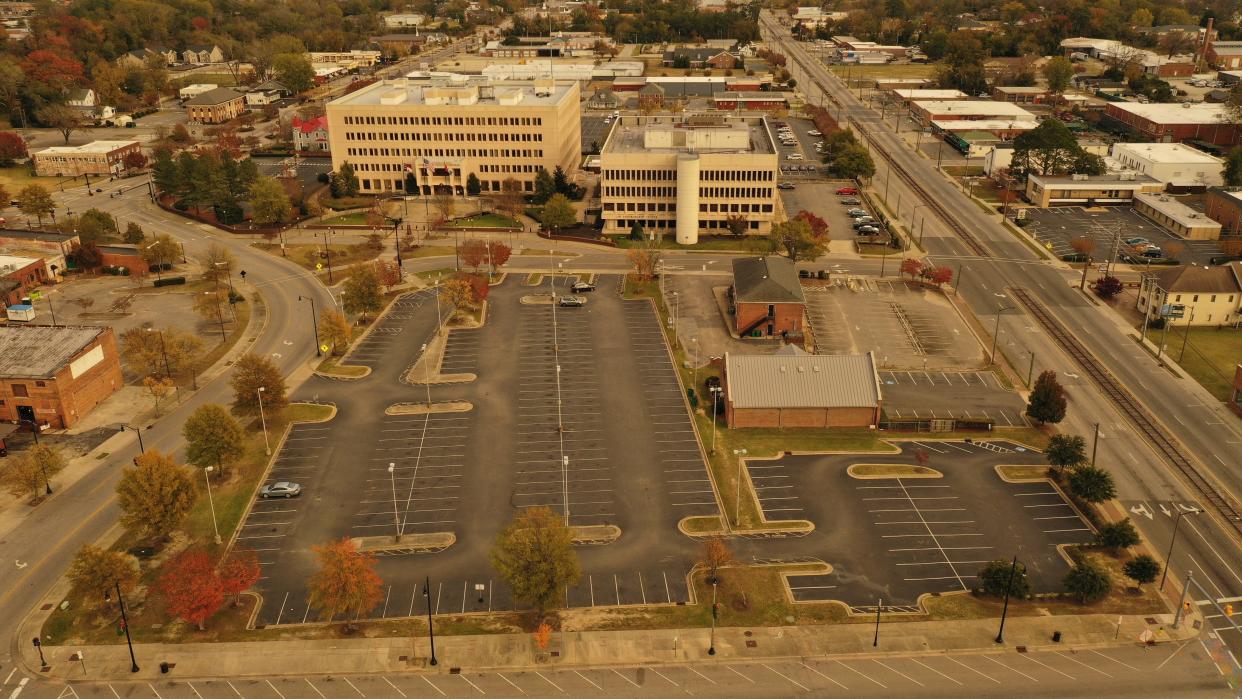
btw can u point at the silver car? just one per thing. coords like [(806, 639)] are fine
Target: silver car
[(280, 489)]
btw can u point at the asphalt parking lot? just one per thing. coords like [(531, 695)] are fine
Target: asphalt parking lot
[(820, 198), (894, 539), (616, 381), (1060, 225), (308, 169), (594, 130), (953, 395), (904, 323)]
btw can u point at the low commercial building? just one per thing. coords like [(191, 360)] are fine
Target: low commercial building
[(403, 20), (1193, 295), (1176, 217), (1177, 165), (927, 111), (908, 95), (53, 376), (350, 60), (1021, 95), (1088, 190), (1004, 129), (444, 131), (690, 175), (902, 83), (1224, 205), (18, 275), (190, 91), (794, 389), (767, 298), (1152, 63), (1224, 55), (700, 57), (1168, 123), (216, 106), (973, 144), (765, 101), (94, 158)]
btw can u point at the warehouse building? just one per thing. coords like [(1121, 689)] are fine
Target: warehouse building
[(1177, 165), (927, 111), (444, 131), (1174, 123), (53, 376), (794, 389)]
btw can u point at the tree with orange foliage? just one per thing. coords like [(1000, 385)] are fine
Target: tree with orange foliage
[(473, 252), (346, 583), (716, 555), (190, 587), (543, 635), (819, 227), (911, 267), (389, 272), (498, 254), (238, 573)]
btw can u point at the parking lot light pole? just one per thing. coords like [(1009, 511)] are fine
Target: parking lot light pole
[(263, 419), (314, 323), (711, 644), (715, 397), (396, 519), (1168, 557), (214, 524), (120, 601), (879, 604), (164, 350), (695, 341), (1095, 442), (431, 630), (996, 332), (1013, 570), (426, 377), (737, 505)]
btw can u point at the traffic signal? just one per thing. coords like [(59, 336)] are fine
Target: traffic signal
[(1228, 610)]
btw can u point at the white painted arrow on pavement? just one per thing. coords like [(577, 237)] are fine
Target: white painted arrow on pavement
[(1141, 509), (1167, 512)]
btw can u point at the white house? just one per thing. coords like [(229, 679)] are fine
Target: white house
[(191, 91), (1177, 165), (403, 20)]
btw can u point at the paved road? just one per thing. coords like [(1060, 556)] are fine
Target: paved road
[(1204, 427), (1182, 670)]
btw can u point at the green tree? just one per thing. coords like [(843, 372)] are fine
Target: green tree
[(545, 187), (134, 235), (560, 182), (473, 186), (155, 494), (1233, 168), (1066, 451), (995, 576), (559, 213), (1092, 484), (344, 182), (97, 571), (1058, 72), (795, 238), (1142, 569), (294, 71), (1048, 149), (852, 162), (1047, 402), (63, 118), (35, 200), (251, 373), (161, 250), (535, 556), (1117, 535), (362, 293), (962, 67), (737, 224), (213, 437), (269, 203), (636, 231), (166, 172), (1087, 582)]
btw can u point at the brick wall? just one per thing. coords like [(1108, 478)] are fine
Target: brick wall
[(799, 417), (788, 317), (63, 400)]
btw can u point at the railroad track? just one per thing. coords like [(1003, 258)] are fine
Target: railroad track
[(1151, 430)]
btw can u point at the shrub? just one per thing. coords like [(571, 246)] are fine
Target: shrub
[(994, 578), (169, 281), (1087, 582), (1117, 535)]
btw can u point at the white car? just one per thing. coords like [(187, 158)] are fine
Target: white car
[(813, 132), (794, 156)]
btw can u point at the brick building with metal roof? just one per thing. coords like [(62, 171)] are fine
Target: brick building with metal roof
[(794, 389), (52, 376)]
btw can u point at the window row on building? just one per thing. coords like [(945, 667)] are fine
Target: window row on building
[(707, 175), (627, 223), (436, 136), (443, 121), (445, 153), (734, 208)]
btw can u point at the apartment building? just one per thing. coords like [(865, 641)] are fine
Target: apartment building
[(443, 131), (689, 175)]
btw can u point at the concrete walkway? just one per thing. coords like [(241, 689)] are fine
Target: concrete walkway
[(594, 648)]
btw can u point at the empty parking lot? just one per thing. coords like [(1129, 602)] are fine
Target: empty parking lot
[(951, 395)]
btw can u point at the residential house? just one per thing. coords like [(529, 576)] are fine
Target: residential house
[(311, 135), (202, 54), (767, 298), (83, 100), (1193, 295), (700, 57)]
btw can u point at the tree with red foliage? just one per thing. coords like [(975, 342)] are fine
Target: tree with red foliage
[(911, 267), (12, 147), (819, 227), (346, 583), (191, 588), (57, 72), (938, 275), (472, 253), (238, 573), (388, 271), (1108, 286), (478, 287), (499, 254), (134, 160), (86, 256), (202, 24)]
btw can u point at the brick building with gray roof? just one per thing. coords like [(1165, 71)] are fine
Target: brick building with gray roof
[(794, 389)]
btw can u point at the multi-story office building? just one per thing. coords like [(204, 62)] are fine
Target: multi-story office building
[(690, 175), (443, 131)]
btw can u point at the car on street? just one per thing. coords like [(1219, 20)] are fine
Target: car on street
[(582, 286), (813, 132), (785, 185), (573, 301), (849, 191), (1153, 252), (794, 156), (280, 489)]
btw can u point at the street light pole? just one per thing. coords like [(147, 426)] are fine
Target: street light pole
[(711, 645), (211, 502), (263, 419), (1095, 442), (715, 398), (996, 332), (1013, 570), (1168, 557), (431, 631), (133, 662), (314, 323), (164, 350), (141, 449), (878, 605), (396, 519)]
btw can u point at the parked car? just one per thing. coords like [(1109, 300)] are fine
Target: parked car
[(582, 286), (1136, 241), (851, 191), (1153, 252), (855, 213), (794, 156), (867, 230), (863, 223), (280, 489), (851, 201), (785, 185), (574, 301), (813, 132)]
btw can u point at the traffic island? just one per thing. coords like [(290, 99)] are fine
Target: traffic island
[(455, 406), (869, 471), (406, 543), (427, 369), (537, 300), (595, 534)]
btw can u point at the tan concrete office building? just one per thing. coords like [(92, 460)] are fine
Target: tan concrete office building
[(443, 131), (688, 175)]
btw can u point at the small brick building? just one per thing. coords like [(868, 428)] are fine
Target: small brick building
[(18, 275), (794, 389), (55, 375), (767, 297), (216, 106)]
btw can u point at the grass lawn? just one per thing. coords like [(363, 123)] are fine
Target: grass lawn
[(490, 220), (904, 70), (16, 177), (358, 218), (308, 255), (707, 242), (1210, 357)]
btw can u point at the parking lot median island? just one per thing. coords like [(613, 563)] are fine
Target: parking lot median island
[(408, 543), (427, 369), (1020, 474), (702, 525), (536, 299), (590, 534), (455, 406), (865, 471), (332, 368)]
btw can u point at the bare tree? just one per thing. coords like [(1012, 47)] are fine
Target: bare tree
[(1084, 246)]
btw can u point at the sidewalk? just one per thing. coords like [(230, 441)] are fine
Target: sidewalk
[(593, 648)]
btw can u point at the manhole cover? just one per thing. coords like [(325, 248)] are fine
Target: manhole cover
[(752, 644), (1151, 621)]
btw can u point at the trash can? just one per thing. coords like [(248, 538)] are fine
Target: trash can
[(1056, 636), (164, 668)]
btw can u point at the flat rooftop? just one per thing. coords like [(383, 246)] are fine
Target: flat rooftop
[(982, 124), (15, 262), (92, 147), (1177, 211), (630, 135), (918, 94), (1175, 113), (461, 91), (39, 351), (1167, 153), (1123, 180), (986, 108)]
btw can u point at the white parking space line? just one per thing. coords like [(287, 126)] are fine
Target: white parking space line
[(700, 674), (984, 676), (618, 674), (1079, 662), (269, 683), (394, 687), (869, 678), (899, 672), (1109, 657), (467, 679), (1008, 667), (929, 667), (351, 686), (506, 679), (823, 676), (1028, 657), (734, 671)]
